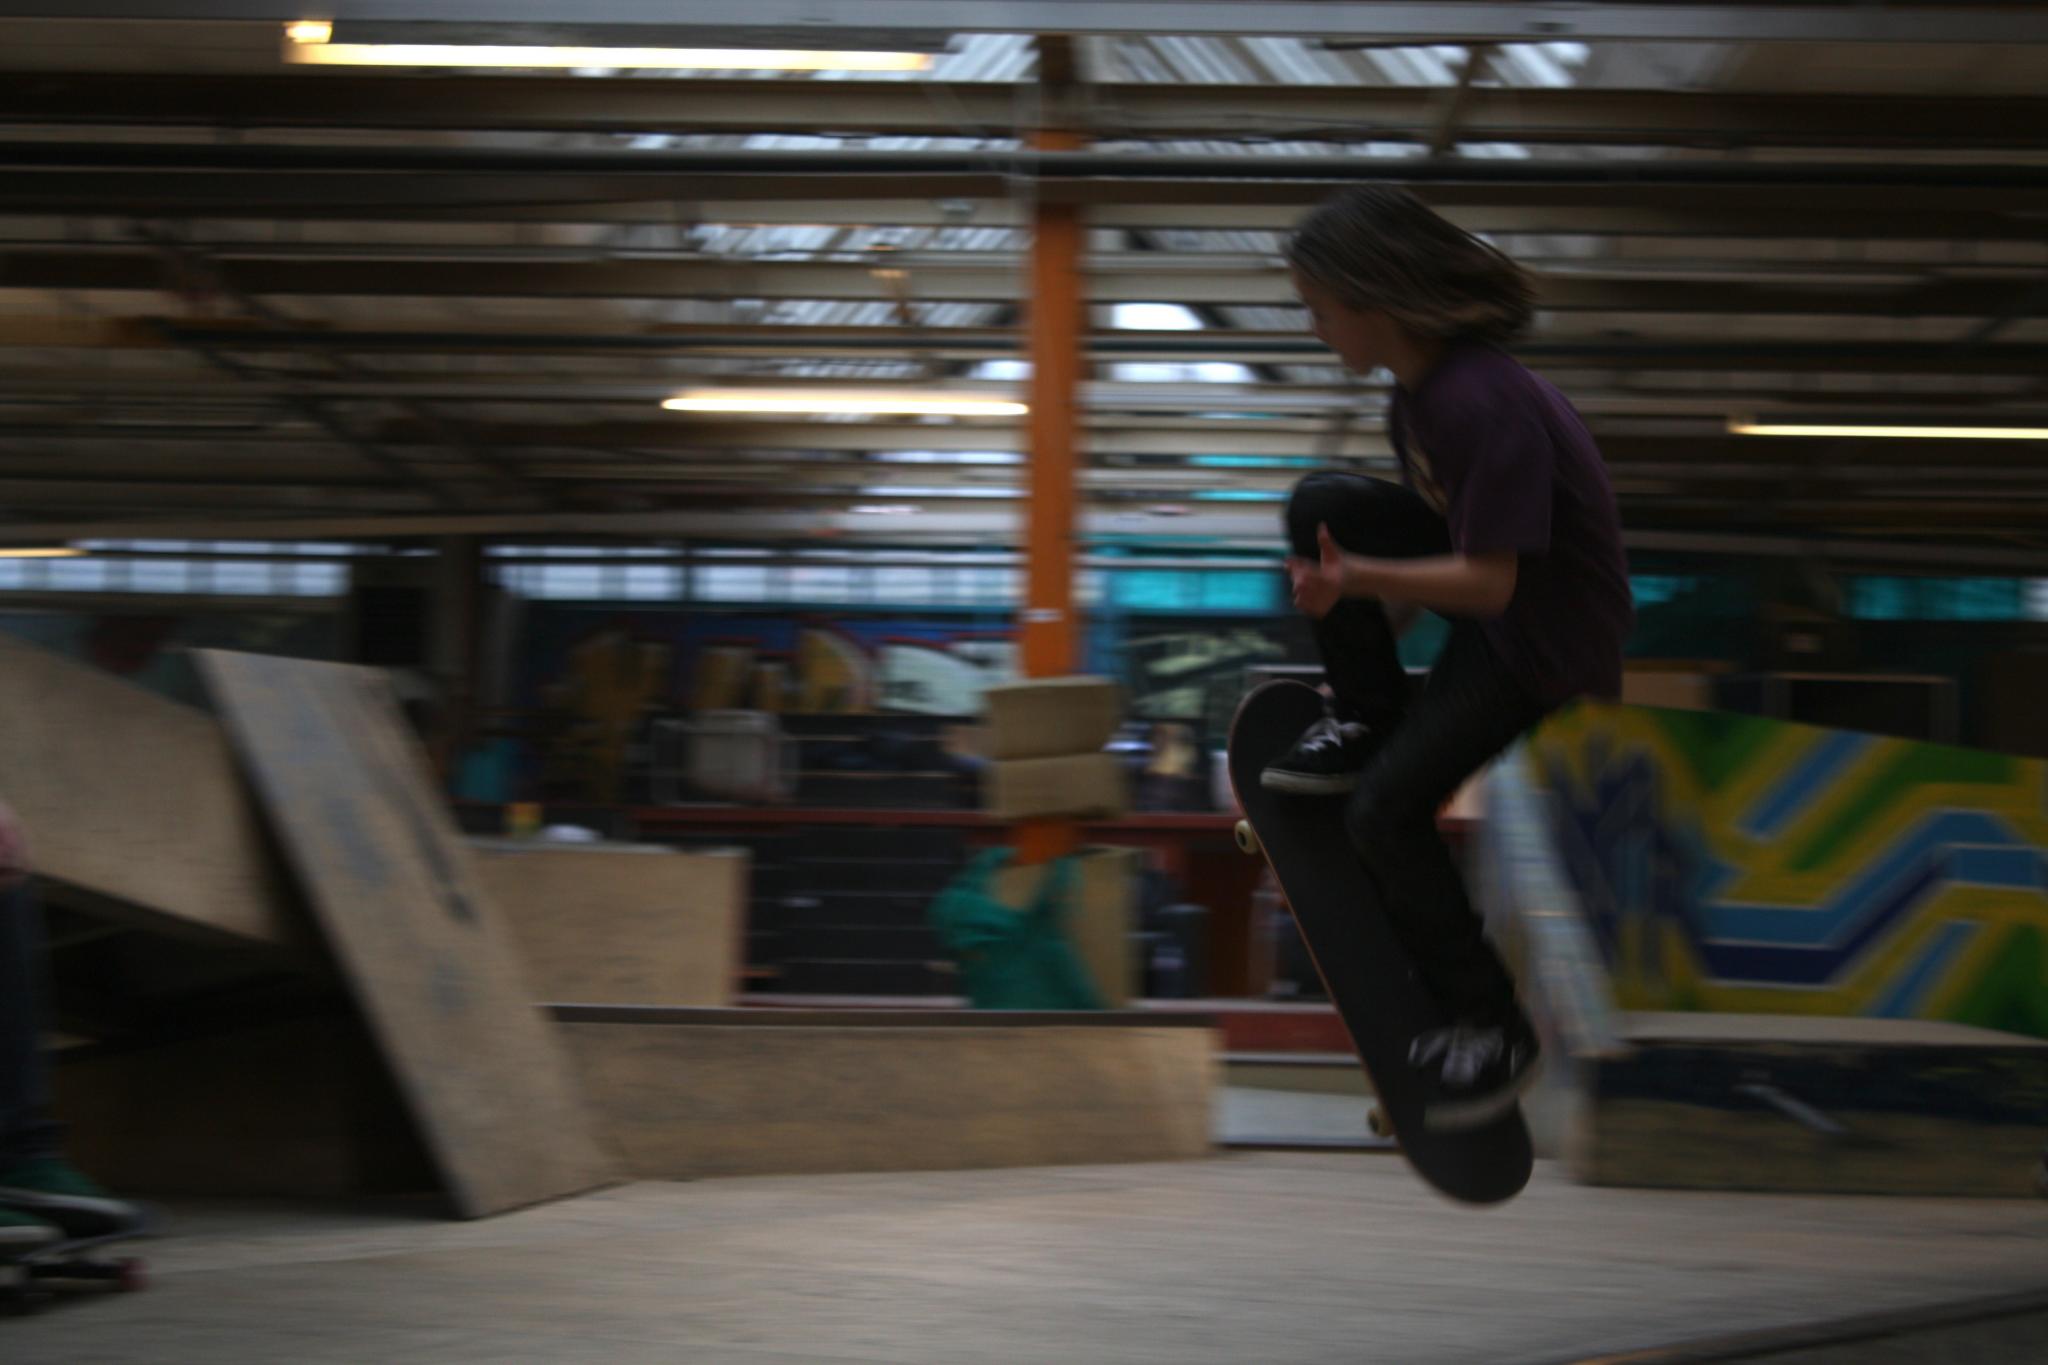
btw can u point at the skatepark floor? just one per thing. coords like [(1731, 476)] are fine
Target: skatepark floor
[(1257, 1257)]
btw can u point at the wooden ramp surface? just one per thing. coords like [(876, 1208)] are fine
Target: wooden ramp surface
[(425, 951), (133, 803)]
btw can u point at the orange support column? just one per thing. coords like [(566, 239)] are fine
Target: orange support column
[(1057, 321)]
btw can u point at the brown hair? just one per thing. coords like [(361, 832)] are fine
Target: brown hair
[(1382, 248)]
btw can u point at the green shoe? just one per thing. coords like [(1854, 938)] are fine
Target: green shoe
[(50, 1189), (20, 1233)]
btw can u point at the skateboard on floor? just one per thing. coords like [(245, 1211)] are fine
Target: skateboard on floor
[(1363, 968), (31, 1279)]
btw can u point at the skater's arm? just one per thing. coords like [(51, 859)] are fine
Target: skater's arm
[(1479, 585)]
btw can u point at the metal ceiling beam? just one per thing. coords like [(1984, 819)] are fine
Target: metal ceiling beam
[(228, 477), (1109, 439), (1138, 111), (197, 265), (780, 22), (110, 397), (1050, 166), (1191, 280), (1963, 212), (994, 529), (1553, 350), (238, 199)]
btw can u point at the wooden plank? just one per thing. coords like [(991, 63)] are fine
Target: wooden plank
[(618, 924), (697, 1101), (427, 954), (133, 803)]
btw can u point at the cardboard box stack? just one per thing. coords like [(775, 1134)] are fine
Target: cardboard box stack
[(1044, 744), (1043, 740)]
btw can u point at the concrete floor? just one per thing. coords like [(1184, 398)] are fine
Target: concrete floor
[(1269, 1258)]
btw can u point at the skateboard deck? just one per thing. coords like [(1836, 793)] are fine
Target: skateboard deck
[(31, 1279), (1366, 973)]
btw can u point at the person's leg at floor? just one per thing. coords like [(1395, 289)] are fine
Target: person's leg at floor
[(1471, 710), (25, 1131), (1360, 653), (37, 1186)]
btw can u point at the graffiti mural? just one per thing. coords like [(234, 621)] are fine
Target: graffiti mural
[(597, 675), (812, 665), (1195, 672), (1734, 863), (943, 680)]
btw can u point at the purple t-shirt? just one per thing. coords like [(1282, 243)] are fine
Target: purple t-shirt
[(1507, 460)]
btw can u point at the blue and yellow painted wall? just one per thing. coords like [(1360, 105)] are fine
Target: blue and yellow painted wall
[(1732, 863)]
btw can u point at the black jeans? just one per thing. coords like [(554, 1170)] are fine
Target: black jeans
[(25, 1127), (1470, 709)]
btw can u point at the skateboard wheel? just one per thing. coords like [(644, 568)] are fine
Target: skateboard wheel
[(131, 1275), (1376, 1120), (1247, 837)]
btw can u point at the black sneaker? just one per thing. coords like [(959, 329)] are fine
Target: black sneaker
[(1323, 762), (21, 1234), (50, 1189), (1472, 1073)]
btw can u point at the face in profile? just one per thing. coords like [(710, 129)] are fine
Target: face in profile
[(1361, 337)]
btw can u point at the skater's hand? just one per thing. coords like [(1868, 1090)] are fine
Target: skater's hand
[(1318, 583), (13, 851)]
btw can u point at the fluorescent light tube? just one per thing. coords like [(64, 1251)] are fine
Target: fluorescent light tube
[(794, 403)]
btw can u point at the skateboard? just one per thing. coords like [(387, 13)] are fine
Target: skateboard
[(31, 1279), (1367, 975)]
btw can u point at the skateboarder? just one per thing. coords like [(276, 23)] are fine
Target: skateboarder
[(1505, 524), (42, 1198)]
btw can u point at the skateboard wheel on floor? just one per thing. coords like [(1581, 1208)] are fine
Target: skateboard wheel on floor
[(1247, 837), (131, 1275), (1376, 1120)]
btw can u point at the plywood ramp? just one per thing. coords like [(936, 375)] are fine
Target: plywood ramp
[(133, 803), (781, 1092), (426, 953), (1817, 1104), (622, 924)]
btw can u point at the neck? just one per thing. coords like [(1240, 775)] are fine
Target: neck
[(1412, 359)]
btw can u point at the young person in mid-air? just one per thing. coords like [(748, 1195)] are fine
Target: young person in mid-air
[(1505, 524)]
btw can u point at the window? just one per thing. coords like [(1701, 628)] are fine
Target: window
[(1171, 590), (233, 568), (651, 582), (905, 583), (731, 583), (821, 583), (1650, 589), (1878, 598)]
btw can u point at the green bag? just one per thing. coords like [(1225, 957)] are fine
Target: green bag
[(1013, 958)]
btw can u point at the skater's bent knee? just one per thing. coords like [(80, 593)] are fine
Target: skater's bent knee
[(1316, 500)]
